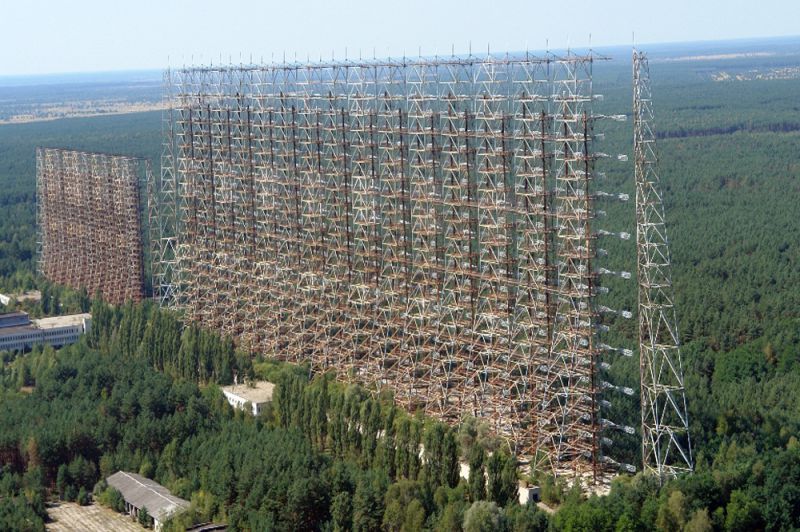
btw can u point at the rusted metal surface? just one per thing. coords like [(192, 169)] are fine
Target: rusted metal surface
[(89, 226), (422, 226)]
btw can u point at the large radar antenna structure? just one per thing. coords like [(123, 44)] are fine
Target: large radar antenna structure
[(666, 446)]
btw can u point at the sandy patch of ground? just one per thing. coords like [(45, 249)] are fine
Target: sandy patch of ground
[(47, 112), (68, 517)]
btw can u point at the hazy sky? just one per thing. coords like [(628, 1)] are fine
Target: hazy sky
[(42, 36)]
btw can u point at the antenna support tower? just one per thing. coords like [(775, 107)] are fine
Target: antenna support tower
[(89, 222), (666, 446), (421, 226)]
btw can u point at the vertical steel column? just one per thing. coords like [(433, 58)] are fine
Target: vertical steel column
[(569, 424), (666, 446)]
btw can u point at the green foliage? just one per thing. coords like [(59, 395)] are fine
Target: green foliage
[(526, 518), (441, 467), (74, 480), (22, 500), (342, 511), (404, 509), (700, 522), (368, 504), (333, 456), (484, 516), (552, 491), (112, 498), (159, 337), (742, 513), (477, 474), (452, 516), (780, 491), (476, 432), (672, 515), (502, 483), (83, 497), (144, 519)]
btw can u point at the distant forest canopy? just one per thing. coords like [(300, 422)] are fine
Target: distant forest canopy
[(730, 166), (49, 97)]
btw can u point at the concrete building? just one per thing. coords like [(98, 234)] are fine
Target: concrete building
[(257, 394), (140, 492), (14, 319), (18, 332)]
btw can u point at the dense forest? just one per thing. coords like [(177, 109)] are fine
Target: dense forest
[(324, 457), (730, 161)]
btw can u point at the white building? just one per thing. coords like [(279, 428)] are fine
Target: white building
[(257, 394), (18, 332)]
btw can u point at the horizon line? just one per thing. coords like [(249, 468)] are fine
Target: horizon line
[(632, 45)]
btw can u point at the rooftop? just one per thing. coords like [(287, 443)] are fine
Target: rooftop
[(145, 493), (61, 321), (18, 322), (256, 392), (14, 319), (8, 331)]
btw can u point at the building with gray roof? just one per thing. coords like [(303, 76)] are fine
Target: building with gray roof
[(140, 492), (19, 333)]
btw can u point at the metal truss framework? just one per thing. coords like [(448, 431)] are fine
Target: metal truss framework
[(666, 447), (88, 220), (423, 226)]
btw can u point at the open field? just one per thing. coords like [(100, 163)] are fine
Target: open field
[(68, 516), (51, 97), (86, 109)]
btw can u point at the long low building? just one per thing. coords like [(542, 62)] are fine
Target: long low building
[(140, 492), (18, 332)]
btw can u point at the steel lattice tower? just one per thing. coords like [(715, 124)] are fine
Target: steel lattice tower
[(570, 425), (89, 221), (425, 226), (163, 211), (666, 446)]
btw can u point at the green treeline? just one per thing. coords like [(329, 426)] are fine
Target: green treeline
[(325, 456), (161, 339), (22, 500), (328, 456)]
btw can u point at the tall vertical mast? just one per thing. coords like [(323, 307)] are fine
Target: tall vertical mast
[(569, 426), (666, 446)]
